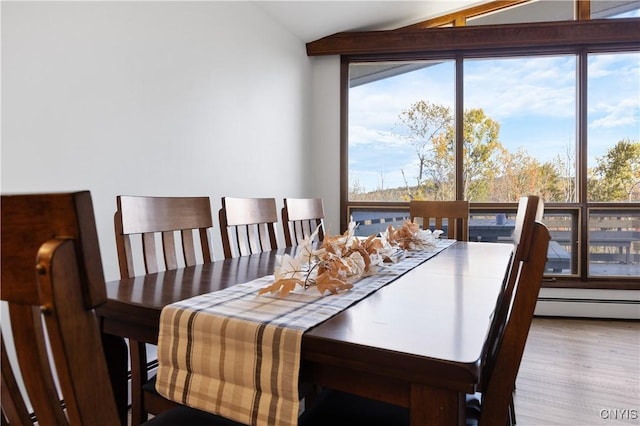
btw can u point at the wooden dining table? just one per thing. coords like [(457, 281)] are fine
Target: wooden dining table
[(417, 342)]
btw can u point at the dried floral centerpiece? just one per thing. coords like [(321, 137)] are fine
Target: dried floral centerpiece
[(410, 237), (344, 259)]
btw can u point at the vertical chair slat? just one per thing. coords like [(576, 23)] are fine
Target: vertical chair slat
[(169, 250), (204, 244), (263, 237), (188, 247), (149, 253)]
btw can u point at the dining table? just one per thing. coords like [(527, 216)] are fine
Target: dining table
[(417, 342)]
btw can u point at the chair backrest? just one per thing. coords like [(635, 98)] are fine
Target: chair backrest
[(162, 217), (530, 210), (300, 218), (247, 225), (52, 279), (456, 213), (499, 381)]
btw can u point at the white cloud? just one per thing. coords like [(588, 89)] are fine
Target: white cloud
[(622, 113), (522, 86), (378, 105), (624, 66), (361, 135)]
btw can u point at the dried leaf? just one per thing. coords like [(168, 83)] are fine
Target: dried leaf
[(305, 251), (289, 267), (332, 284), (284, 286), (373, 244)]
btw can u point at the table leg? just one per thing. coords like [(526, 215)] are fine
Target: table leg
[(434, 406), (117, 357)]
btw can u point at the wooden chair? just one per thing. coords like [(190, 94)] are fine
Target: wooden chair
[(456, 214), (339, 408), (247, 225), (52, 279), (300, 218), (500, 372), (158, 219), (163, 216), (530, 210)]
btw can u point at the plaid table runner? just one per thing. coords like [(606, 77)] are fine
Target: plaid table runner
[(237, 354)]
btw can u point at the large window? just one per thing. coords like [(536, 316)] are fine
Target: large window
[(398, 114), (529, 103), (492, 125), (519, 130), (613, 127), (613, 163)]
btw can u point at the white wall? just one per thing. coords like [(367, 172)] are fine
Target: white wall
[(156, 98), (325, 137)]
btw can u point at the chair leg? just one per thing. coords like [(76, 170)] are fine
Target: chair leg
[(512, 412), (138, 355), (309, 392)]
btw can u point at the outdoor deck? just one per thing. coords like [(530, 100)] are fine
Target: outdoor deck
[(612, 251)]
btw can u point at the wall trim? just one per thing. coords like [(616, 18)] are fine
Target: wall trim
[(587, 303)]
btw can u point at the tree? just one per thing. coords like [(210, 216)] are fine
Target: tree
[(356, 189), (425, 123), (518, 175), (441, 169), (430, 129), (617, 174), (554, 185), (564, 181), (481, 148), (491, 173)]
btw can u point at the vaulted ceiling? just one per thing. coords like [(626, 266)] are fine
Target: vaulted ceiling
[(311, 20), (315, 19)]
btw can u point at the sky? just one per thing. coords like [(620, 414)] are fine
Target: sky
[(533, 100)]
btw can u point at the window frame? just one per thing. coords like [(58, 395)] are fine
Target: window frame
[(549, 38)]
